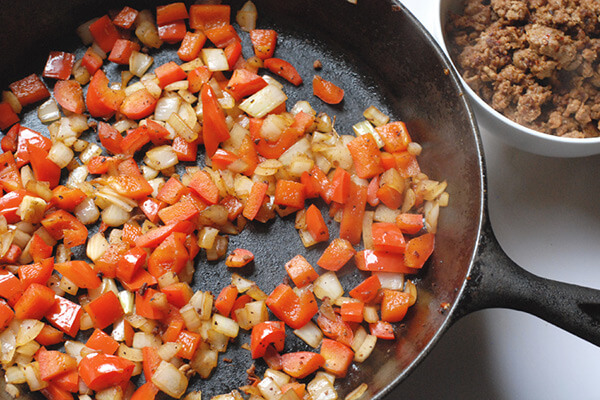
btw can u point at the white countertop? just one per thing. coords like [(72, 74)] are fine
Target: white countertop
[(546, 215)]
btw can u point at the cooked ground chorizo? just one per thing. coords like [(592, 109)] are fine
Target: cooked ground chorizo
[(536, 61)]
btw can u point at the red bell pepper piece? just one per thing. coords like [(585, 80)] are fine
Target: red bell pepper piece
[(102, 342), (68, 382), (338, 357), (151, 362), (138, 137), (53, 363), (418, 250), (156, 236), (336, 255), (104, 33), (60, 224), (80, 273), (366, 156), (226, 299), (302, 363), (104, 310), (110, 137), (353, 213), (204, 186), (336, 328), (9, 204), (239, 258), (327, 91), (125, 18), (7, 116), (49, 336), (147, 391), (145, 306), (244, 83), (233, 52), (139, 104), (206, 16), (352, 311), (172, 32), (292, 309), (70, 96), (35, 302), (44, 169), (284, 69), (255, 200), (171, 13), (389, 196), (197, 78), (28, 139), (383, 330), (367, 290), (302, 121), (315, 224), (29, 90), (59, 65), (222, 36), (264, 42), (10, 287), (38, 272), (191, 45), (55, 392), (395, 136), (340, 185), (140, 279), (300, 271), (388, 237), (382, 261), (178, 294), (102, 101), (406, 164), (122, 50), (169, 73), (188, 344), (289, 194), (9, 142), (372, 189), (394, 305), (410, 223), (92, 61), (6, 314), (101, 371), (215, 128), (265, 334), (177, 212), (170, 255)]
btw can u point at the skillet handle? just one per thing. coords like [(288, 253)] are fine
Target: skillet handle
[(497, 282)]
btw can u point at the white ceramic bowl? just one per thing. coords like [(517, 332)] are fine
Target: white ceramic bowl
[(507, 130)]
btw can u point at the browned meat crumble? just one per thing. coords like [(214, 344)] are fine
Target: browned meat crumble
[(535, 61)]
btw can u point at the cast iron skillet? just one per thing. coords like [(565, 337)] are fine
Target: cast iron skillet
[(382, 56)]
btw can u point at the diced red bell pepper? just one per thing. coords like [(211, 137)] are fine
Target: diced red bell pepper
[(139, 104), (233, 52), (80, 273), (366, 156), (327, 91), (135, 139), (191, 45), (367, 290), (188, 344), (292, 309), (59, 65), (172, 32), (300, 271), (29, 138), (389, 196), (101, 371), (53, 363), (146, 307), (49, 336), (70, 96), (226, 299), (110, 137), (92, 61), (170, 13), (410, 223), (203, 185), (222, 36), (352, 311), (338, 357), (104, 33), (44, 169), (35, 302), (215, 128), (102, 101), (302, 363), (29, 90), (60, 224), (170, 255), (315, 224), (353, 213), (406, 164), (178, 294), (151, 362), (340, 185), (394, 305), (239, 258), (107, 263), (244, 83), (289, 193), (68, 382), (8, 143), (156, 236), (388, 237), (169, 73), (336, 255), (125, 18), (147, 391), (6, 314), (265, 334), (7, 116), (284, 69), (206, 16), (382, 261), (383, 330), (264, 42), (336, 328), (177, 212), (197, 78), (418, 250), (255, 200), (104, 310), (39, 249), (122, 50), (38, 272), (10, 287), (99, 340), (140, 279), (9, 204), (395, 136)]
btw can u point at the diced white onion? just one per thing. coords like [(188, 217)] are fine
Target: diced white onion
[(83, 31), (12, 101), (114, 216), (165, 106), (264, 101), (170, 380), (390, 280), (60, 154), (246, 16), (310, 334), (161, 157), (328, 285), (214, 59), (269, 389), (48, 111), (143, 339), (86, 211), (224, 325), (321, 388), (32, 375)]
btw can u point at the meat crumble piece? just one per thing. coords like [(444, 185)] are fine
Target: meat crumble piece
[(536, 61)]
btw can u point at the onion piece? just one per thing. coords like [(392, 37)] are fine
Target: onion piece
[(321, 388), (48, 111), (143, 339), (310, 334), (12, 100), (357, 393), (366, 348), (146, 30), (224, 325), (246, 16), (390, 280), (114, 216), (170, 380), (376, 117), (161, 157), (205, 360), (328, 285), (83, 31), (365, 127), (60, 154), (269, 389), (165, 106), (32, 375), (87, 212), (214, 59), (264, 101)]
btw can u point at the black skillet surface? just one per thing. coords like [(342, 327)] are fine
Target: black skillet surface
[(381, 56)]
